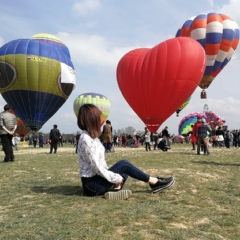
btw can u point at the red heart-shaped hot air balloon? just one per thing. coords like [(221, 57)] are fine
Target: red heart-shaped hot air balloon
[(156, 81)]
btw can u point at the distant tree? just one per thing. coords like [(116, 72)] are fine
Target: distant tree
[(129, 130)]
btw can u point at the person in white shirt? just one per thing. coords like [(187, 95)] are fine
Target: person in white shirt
[(15, 141), (147, 139), (97, 178)]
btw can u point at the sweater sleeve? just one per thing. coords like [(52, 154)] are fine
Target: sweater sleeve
[(92, 160)]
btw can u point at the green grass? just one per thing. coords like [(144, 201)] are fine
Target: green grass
[(41, 197)]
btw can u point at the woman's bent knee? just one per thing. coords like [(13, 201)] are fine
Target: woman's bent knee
[(123, 161)]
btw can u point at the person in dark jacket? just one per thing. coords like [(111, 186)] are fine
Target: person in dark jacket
[(166, 136), (107, 136), (77, 140), (220, 136), (40, 139), (202, 134), (54, 137), (34, 139)]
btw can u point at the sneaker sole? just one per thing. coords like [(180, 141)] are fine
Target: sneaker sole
[(119, 195), (165, 187)]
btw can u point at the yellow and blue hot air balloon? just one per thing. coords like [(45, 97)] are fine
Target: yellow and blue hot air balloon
[(182, 106), (96, 99), (53, 40), (36, 78)]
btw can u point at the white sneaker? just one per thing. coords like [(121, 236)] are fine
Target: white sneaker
[(118, 195)]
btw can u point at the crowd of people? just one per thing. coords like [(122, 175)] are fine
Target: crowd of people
[(201, 137)]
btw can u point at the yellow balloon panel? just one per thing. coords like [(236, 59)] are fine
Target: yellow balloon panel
[(96, 99), (33, 73)]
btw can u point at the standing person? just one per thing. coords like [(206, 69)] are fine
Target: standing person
[(77, 140), (165, 136), (214, 140), (202, 137), (147, 139), (115, 140), (54, 137), (34, 139), (192, 137), (220, 136), (40, 139), (8, 125), (30, 142), (124, 140), (15, 141), (228, 137), (195, 128), (60, 140), (107, 136), (235, 138), (155, 140), (97, 178)]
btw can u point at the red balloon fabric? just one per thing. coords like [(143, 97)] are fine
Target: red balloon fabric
[(22, 129), (156, 81)]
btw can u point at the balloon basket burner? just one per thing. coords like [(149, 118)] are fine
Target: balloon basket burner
[(203, 94)]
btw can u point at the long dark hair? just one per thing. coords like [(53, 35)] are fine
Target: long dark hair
[(89, 119)]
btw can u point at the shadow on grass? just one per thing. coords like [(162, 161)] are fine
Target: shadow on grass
[(181, 152), (63, 190), (217, 163)]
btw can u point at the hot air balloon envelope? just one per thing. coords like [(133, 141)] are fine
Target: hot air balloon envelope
[(156, 81), (184, 126), (96, 99), (219, 36), (51, 39), (183, 106), (36, 78)]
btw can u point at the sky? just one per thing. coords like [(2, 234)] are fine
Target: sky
[(98, 33)]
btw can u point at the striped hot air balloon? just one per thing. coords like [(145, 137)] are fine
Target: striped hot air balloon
[(96, 99), (184, 126), (219, 36)]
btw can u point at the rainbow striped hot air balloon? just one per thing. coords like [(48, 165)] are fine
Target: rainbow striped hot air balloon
[(96, 99), (184, 126), (219, 36), (36, 78)]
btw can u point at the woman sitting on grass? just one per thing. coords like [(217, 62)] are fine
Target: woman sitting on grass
[(97, 178)]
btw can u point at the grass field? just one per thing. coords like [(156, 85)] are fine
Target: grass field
[(41, 197)]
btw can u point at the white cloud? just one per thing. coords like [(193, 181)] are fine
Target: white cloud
[(93, 50), (211, 3), (232, 10), (1, 41), (86, 6)]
